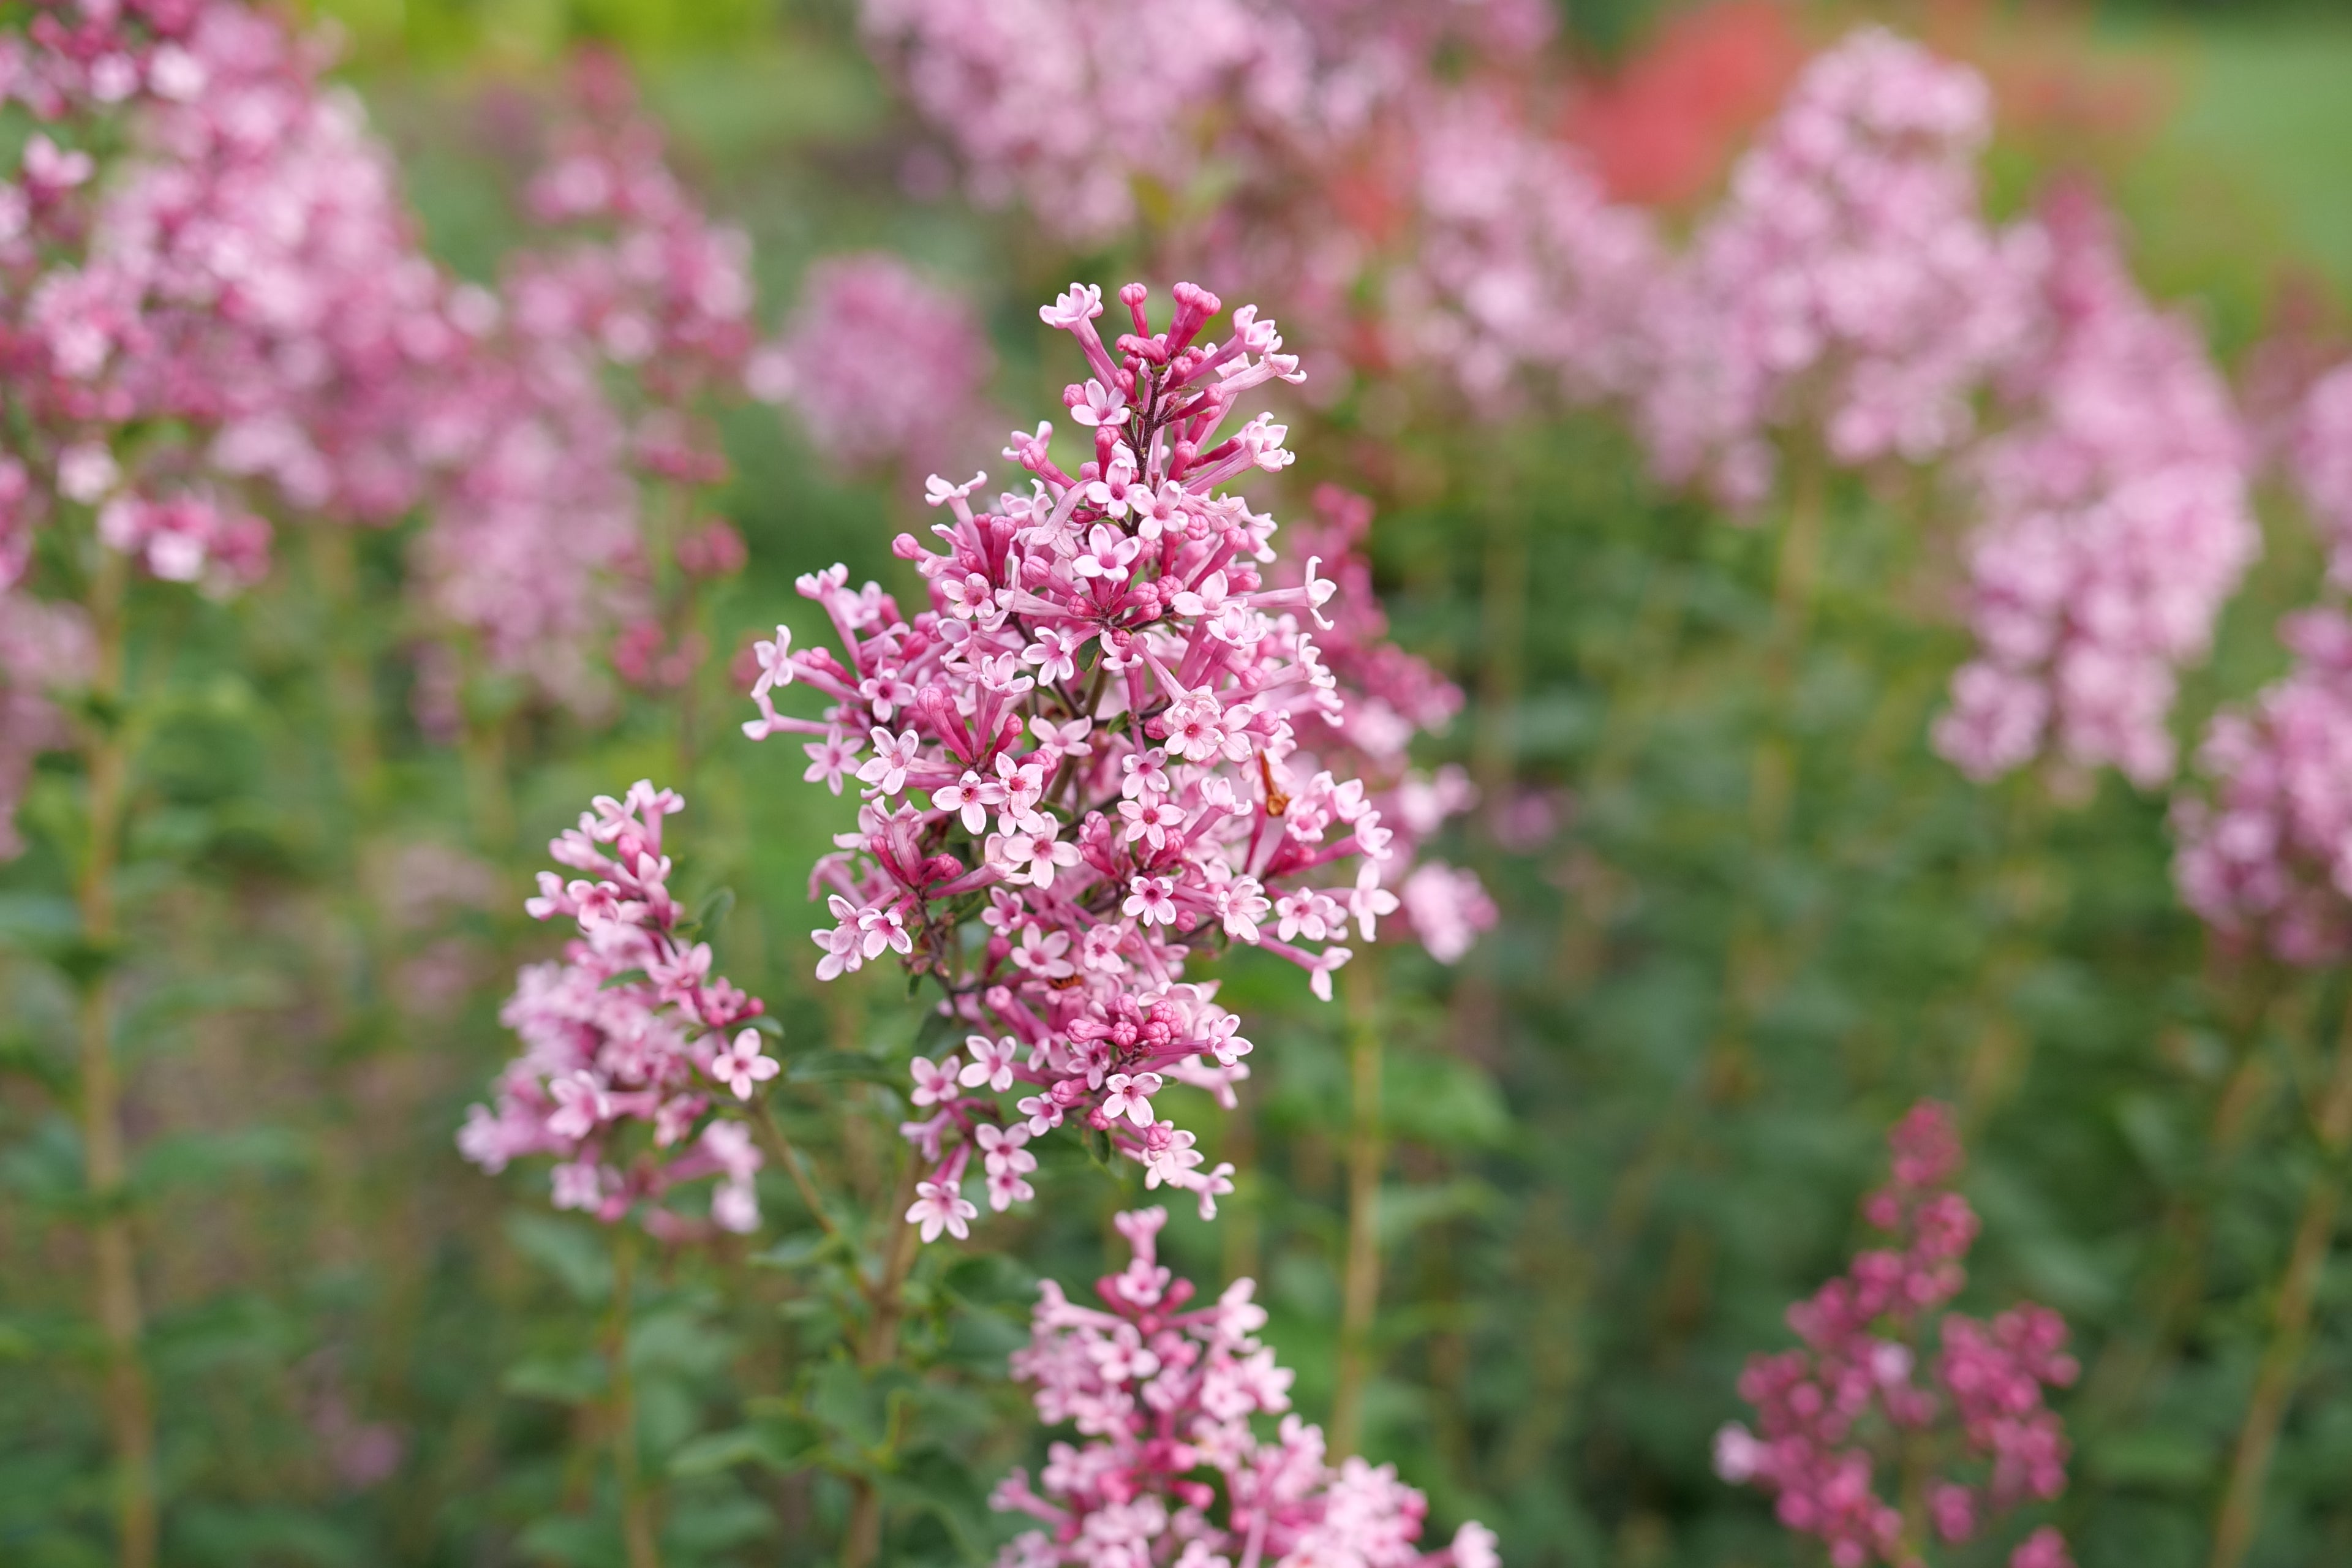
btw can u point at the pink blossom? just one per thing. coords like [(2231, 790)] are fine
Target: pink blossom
[(621, 1033), (1144, 774), (882, 366), (1169, 1469), (1833, 1413), (591, 380), (2264, 849), (1849, 283), (942, 1205), (2116, 526)]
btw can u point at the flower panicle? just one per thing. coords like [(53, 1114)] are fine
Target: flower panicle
[(1088, 743), (1169, 1469), (628, 1039), (1830, 1411)]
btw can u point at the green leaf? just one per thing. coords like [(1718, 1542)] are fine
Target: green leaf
[(715, 908), (781, 1443), (562, 1379), (847, 1406), (796, 1251), (573, 1252)]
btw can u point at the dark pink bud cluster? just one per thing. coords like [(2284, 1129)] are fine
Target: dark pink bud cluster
[(1102, 704), (1170, 1471), (1973, 1440), (627, 1062)]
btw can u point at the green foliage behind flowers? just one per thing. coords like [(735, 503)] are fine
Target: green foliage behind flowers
[(1623, 1134)]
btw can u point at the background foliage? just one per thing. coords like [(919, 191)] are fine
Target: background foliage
[(1628, 1131)]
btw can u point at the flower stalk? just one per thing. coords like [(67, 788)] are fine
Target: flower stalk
[(128, 1398), (2281, 1363)]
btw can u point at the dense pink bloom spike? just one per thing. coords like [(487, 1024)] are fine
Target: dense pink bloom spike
[(632, 1047), (1170, 1473), (2116, 526), (881, 366), (1849, 285), (1834, 1413), (239, 280), (1089, 741)]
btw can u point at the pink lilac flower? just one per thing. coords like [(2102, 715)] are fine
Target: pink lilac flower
[(1519, 265), (1389, 696), (532, 553), (1848, 284), (625, 1045), (882, 366), (1168, 1470), (2116, 526), (1104, 824), (586, 405), (240, 281), (2319, 457), (2264, 850), (1040, 100), (1834, 1414)]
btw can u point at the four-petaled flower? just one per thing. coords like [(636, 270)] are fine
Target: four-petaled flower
[(934, 1085), (1040, 955), (940, 1205), (829, 759), (991, 1061), (1151, 900), (742, 1064), (886, 769), (1131, 1096), (775, 662)]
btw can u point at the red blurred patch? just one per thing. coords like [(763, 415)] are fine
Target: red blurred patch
[(1670, 121)]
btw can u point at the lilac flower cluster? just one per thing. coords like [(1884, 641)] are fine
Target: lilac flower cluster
[(1519, 264), (1849, 284), (2265, 854), (237, 283), (626, 1055), (2319, 456), (580, 427), (1387, 697), (2117, 524), (1830, 1413), (1162, 1393), (1101, 703), (1039, 97), (882, 366)]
